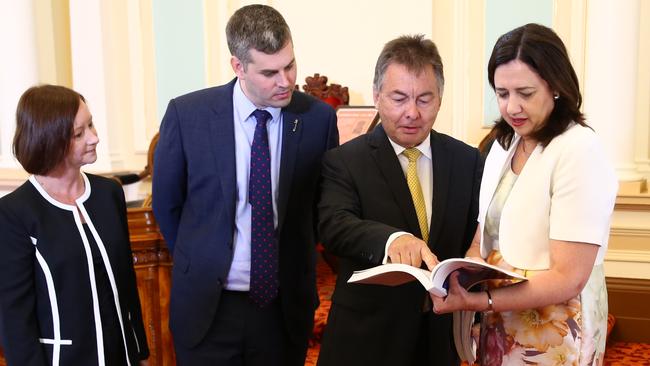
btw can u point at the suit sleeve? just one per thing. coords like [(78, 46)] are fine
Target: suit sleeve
[(333, 133), (583, 192), (344, 233), (19, 330), (472, 218), (169, 188), (332, 141), (132, 295)]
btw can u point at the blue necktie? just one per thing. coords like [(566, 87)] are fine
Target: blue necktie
[(264, 249)]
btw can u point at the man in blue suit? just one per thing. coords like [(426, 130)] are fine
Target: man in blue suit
[(235, 184)]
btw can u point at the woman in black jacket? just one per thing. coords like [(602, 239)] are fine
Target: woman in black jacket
[(68, 292)]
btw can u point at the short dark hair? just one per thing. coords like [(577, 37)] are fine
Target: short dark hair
[(44, 126), (415, 53), (256, 26), (543, 51)]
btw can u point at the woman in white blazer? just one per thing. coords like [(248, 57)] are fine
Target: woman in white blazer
[(546, 199)]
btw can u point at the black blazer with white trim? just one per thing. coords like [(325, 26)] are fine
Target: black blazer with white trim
[(48, 300)]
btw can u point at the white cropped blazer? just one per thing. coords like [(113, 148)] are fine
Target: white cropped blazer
[(565, 191)]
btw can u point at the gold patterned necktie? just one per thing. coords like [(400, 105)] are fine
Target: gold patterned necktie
[(416, 190)]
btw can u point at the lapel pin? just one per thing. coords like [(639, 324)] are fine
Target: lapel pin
[(295, 125)]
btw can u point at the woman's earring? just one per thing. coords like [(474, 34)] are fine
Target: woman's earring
[(556, 96)]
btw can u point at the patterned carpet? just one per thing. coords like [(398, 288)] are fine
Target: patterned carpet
[(325, 281), (617, 354), (624, 353)]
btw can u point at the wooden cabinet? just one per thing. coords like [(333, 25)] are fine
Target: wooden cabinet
[(153, 273)]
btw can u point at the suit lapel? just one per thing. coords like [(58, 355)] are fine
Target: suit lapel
[(222, 131), (291, 136), (390, 169), (442, 159)]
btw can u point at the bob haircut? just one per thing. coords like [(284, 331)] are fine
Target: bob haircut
[(543, 51), (44, 127)]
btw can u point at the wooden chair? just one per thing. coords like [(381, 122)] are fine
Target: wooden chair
[(145, 173), (333, 94)]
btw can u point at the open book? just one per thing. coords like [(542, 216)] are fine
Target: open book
[(471, 272), (436, 281), (464, 340)]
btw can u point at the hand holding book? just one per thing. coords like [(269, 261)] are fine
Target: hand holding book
[(454, 276), (458, 300), (459, 297)]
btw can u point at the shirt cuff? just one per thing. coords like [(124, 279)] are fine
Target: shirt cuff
[(390, 241)]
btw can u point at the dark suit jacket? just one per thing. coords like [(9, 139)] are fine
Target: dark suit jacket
[(364, 200), (194, 194)]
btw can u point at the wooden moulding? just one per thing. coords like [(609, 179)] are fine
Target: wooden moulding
[(628, 302)]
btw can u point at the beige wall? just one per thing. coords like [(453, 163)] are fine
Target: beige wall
[(340, 39)]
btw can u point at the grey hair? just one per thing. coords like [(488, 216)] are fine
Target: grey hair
[(260, 27), (415, 53)]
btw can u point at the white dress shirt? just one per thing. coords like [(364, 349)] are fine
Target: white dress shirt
[(239, 274), (425, 176)]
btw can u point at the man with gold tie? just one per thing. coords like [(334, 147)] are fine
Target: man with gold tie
[(402, 193)]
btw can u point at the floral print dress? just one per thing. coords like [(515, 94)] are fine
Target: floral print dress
[(570, 333)]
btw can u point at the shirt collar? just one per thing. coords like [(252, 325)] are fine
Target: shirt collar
[(424, 147), (243, 107)]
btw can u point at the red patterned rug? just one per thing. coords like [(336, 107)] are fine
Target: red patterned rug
[(625, 353), (325, 281)]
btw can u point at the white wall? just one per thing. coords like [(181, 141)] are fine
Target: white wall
[(342, 40), (122, 56), (18, 68)]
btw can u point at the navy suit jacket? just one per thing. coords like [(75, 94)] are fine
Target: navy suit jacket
[(364, 199), (194, 200)]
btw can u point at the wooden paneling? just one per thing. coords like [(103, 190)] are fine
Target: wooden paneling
[(628, 301), (153, 273)]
